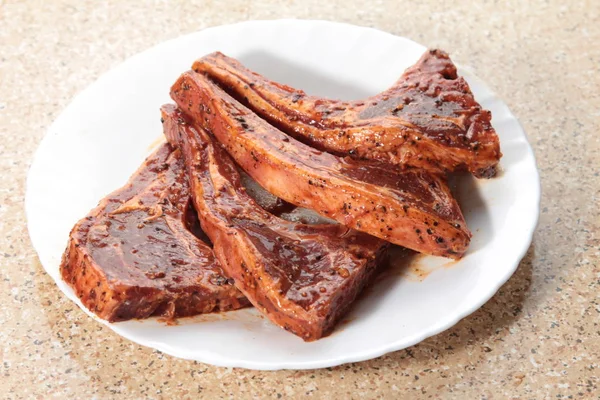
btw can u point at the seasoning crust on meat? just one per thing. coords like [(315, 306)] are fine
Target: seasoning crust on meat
[(428, 119), (411, 208), (135, 256), (302, 277)]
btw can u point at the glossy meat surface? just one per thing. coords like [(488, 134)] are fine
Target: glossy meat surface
[(302, 277), (411, 208), (428, 119), (135, 256)]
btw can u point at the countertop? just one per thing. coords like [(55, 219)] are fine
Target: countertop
[(538, 337)]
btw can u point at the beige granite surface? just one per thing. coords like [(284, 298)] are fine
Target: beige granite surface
[(539, 337)]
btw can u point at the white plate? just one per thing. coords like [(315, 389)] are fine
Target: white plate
[(106, 132)]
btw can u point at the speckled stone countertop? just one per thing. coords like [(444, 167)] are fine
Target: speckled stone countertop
[(539, 337)]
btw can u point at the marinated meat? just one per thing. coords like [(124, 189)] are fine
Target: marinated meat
[(428, 119), (302, 277), (135, 256), (411, 208)]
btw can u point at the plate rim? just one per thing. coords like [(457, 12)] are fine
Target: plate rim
[(216, 359)]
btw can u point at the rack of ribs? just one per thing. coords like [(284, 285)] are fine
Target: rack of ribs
[(302, 277), (428, 119), (411, 208)]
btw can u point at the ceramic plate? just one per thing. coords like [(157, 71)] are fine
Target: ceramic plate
[(106, 132)]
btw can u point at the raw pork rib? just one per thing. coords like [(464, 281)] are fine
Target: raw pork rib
[(302, 277), (428, 119), (135, 256), (411, 208)]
